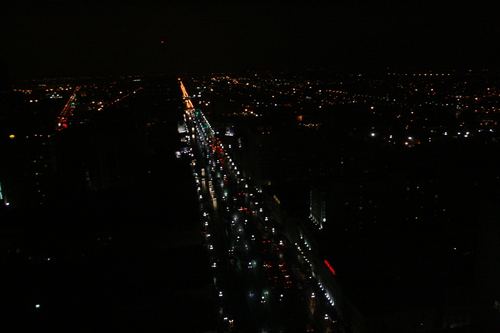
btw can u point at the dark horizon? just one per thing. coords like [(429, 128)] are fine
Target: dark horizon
[(57, 39)]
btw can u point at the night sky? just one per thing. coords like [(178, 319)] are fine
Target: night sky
[(63, 38)]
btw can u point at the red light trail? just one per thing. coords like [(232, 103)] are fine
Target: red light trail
[(329, 267)]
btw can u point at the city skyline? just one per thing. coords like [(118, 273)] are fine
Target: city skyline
[(250, 167), (306, 199)]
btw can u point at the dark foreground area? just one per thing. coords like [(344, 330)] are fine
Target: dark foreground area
[(112, 261)]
